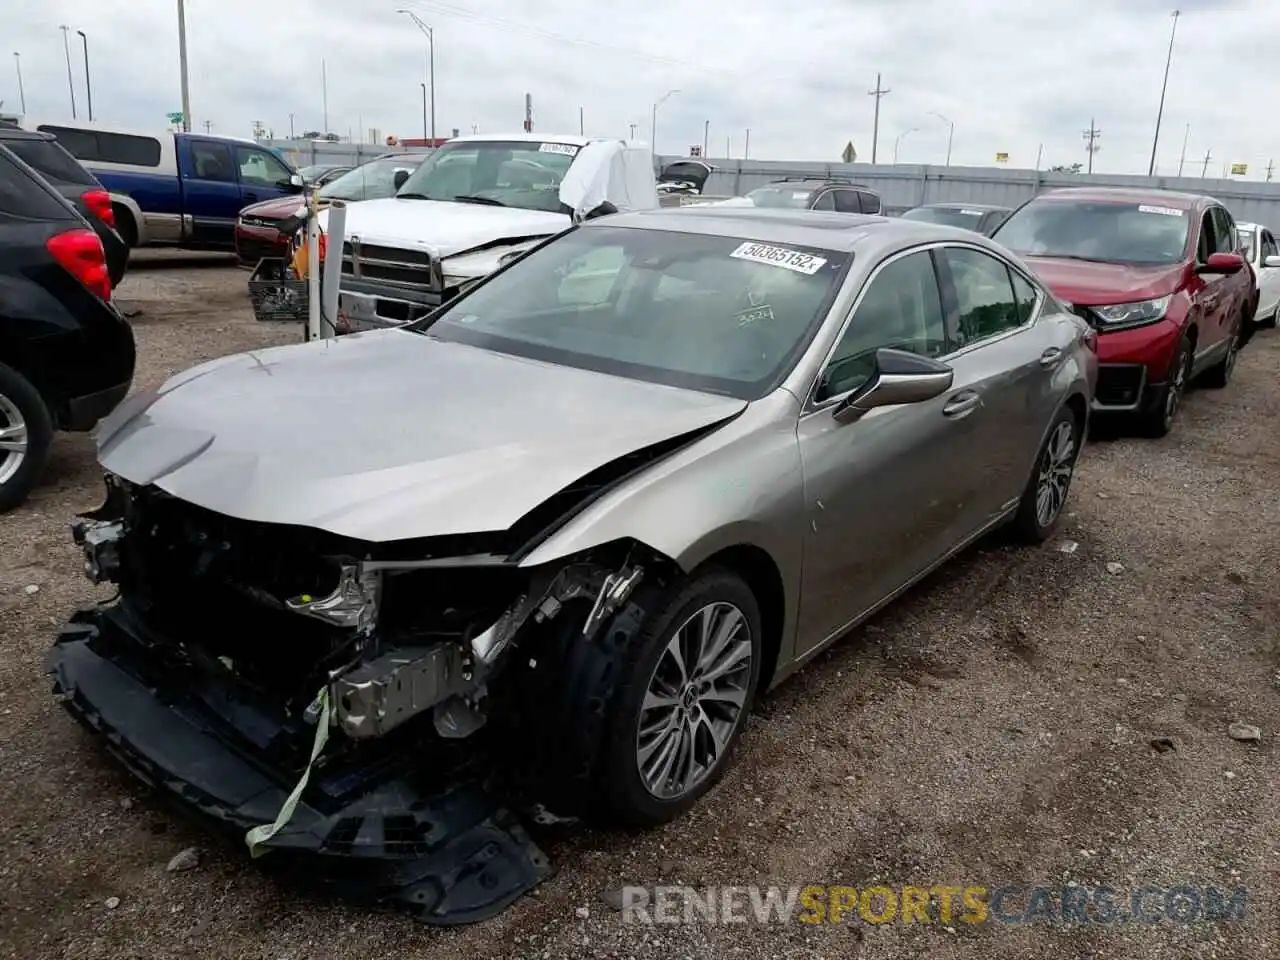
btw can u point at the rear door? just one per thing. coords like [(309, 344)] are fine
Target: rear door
[(1005, 370), (211, 190), (1268, 277), (1241, 285)]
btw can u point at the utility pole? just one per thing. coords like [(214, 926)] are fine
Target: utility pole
[(1091, 146), (878, 93), (1204, 171), (706, 132), (1270, 167), (182, 66), (22, 94), (728, 144), (66, 46), (324, 94), (431, 64), (1183, 159), (746, 147), (1039, 156), (1155, 141), (88, 86), (208, 126), (633, 131), (424, 110), (581, 124), (291, 126)]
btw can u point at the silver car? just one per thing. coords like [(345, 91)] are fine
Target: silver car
[(597, 503)]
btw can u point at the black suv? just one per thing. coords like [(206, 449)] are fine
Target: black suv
[(817, 193), (64, 173), (66, 353)]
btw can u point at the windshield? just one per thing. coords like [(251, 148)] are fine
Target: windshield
[(795, 198), (1246, 243), (711, 313), (514, 173), (966, 217), (315, 170), (1106, 231), (52, 162), (370, 181)]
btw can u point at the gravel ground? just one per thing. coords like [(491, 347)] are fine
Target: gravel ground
[(994, 727)]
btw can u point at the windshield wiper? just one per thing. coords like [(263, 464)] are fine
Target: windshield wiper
[(413, 196), (1070, 256), (472, 198)]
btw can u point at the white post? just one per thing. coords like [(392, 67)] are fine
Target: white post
[(332, 268), (313, 270)]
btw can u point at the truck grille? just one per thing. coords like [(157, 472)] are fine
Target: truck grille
[(416, 268)]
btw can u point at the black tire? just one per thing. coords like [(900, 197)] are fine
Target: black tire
[(1270, 322), (1219, 375), (1156, 420), (125, 226), (583, 712), (1029, 525), (16, 391)]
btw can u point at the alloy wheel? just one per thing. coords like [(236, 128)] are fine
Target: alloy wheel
[(695, 701), (13, 439), (1177, 387), (1056, 467)]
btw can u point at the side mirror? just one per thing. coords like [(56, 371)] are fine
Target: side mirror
[(398, 180), (1272, 262), (898, 377), (1222, 263)]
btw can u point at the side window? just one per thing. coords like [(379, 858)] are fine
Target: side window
[(1208, 242), (212, 161), (1269, 248), (261, 168), (1026, 295), (847, 201), (123, 148), (81, 144), (984, 294), (870, 202), (901, 308), (826, 201), (1225, 231)]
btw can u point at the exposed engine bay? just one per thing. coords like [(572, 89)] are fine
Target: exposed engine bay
[(232, 643)]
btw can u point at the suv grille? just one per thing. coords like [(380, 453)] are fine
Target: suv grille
[(414, 268)]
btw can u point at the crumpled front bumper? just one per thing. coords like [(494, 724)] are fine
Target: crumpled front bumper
[(450, 857)]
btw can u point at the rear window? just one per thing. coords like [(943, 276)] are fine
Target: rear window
[(52, 162), (101, 147), (24, 196), (966, 217)]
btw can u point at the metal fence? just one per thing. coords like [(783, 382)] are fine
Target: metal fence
[(305, 153), (903, 186)]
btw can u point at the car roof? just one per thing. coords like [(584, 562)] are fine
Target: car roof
[(817, 182), (963, 205), (17, 133), (572, 140), (1165, 198), (841, 232)]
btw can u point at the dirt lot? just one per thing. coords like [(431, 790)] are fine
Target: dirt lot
[(994, 727)]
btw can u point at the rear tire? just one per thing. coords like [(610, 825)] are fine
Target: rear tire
[(26, 431), (1046, 492)]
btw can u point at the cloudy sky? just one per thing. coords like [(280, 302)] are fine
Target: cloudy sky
[(1012, 74)]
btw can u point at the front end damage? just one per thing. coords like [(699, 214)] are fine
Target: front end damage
[(321, 697)]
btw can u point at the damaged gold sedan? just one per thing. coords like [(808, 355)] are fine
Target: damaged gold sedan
[(539, 550)]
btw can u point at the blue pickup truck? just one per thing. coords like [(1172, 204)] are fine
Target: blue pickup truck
[(179, 189)]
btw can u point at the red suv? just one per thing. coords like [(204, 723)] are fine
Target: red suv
[(1157, 274)]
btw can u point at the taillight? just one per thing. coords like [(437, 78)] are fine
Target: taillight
[(80, 253), (99, 204)]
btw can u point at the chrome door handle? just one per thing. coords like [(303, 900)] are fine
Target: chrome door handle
[(1051, 357), (962, 404)]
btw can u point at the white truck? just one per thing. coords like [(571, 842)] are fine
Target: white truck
[(474, 204)]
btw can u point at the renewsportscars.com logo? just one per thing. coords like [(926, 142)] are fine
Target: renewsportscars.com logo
[(941, 904)]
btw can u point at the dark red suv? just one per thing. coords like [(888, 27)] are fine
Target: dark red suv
[(1157, 274)]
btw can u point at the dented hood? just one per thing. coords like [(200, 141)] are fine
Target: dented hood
[(444, 227), (388, 435)]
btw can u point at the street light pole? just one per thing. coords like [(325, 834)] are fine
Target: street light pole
[(431, 64), (898, 140), (951, 132), (424, 109), (66, 47), (706, 133), (653, 130), (88, 86), (1155, 141), (22, 94), (182, 66)]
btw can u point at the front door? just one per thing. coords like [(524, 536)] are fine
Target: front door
[(210, 190), (881, 491), (263, 175), (1268, 277)]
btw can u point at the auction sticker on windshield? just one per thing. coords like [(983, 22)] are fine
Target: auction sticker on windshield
[(795, 260), (567, 149), (1163, 211)]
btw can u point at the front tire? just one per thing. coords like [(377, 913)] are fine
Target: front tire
[(1157, 420), (26, 431), (642, 722), (1045, 496)]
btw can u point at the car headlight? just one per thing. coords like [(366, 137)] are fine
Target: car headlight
[(1136, 314)]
